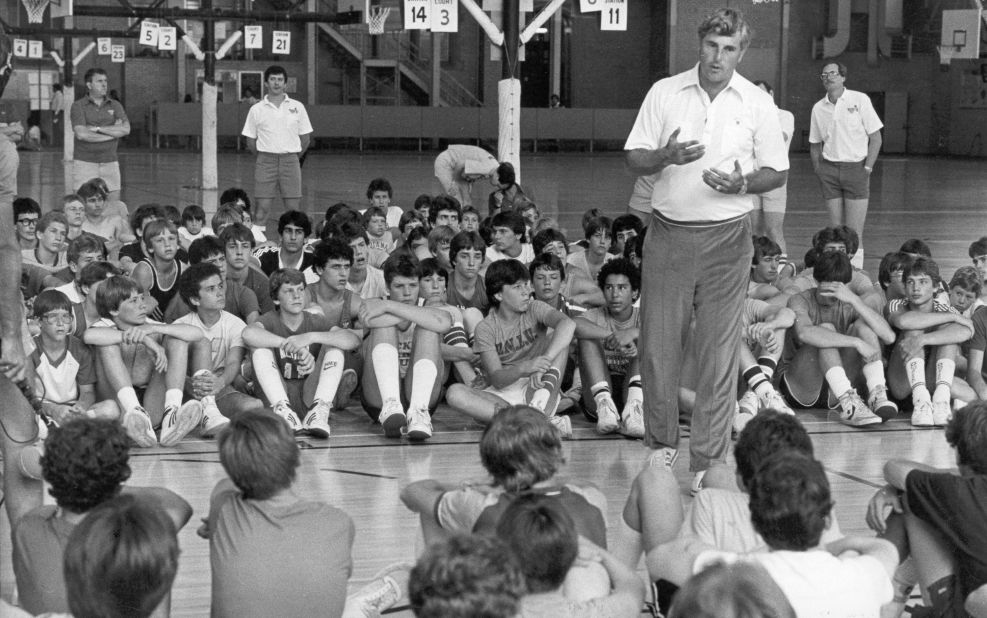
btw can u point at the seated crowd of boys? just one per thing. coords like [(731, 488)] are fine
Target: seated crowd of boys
[(150, 331)]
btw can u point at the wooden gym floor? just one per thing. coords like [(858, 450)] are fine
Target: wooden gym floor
[(357, 470)]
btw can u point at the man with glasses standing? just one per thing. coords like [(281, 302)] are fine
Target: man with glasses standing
[(844, 140)]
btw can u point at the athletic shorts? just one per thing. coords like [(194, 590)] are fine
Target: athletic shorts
[(83, 171), (774, 200), (513, 393), (844, 180), (277, 175)]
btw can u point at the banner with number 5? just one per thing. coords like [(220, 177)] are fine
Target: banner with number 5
[(445, 16)]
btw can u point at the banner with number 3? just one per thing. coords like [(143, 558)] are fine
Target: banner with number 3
[(445, 16)]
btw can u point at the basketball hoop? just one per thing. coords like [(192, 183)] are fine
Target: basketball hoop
[(375, 19), (35, 10), (947, 53)]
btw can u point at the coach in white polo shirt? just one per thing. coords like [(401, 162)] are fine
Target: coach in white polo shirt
[(712, 137), (278, 132), (844, 140)]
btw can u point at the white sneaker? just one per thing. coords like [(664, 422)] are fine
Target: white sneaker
[(283, 410), (607, 419), (316, 423), (213, 420), (882, 406), (632, 424), (941, 413), (392, 417), (776, 402), (419, 424), (854, 412), (749, 403), (563, 424), (697, 482), (178, 422), (138, 426), (922, 415), (664, 457), (384, 591)]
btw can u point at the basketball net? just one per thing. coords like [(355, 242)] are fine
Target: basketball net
[(35, 10), (946, 54), (375, 19)]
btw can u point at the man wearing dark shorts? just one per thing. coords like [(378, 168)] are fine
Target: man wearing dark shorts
[(844, 140), (278, 132), (712, 137)]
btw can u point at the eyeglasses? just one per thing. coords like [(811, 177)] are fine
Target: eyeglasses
[(828, 74), (29, 221), (58, 318)]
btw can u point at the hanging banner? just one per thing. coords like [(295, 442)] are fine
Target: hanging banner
[(253, 37), (118, 53), (149, 33), (104, 46), (416, 14), (614, 15), (281, 42), (445, 16), (168, 38)]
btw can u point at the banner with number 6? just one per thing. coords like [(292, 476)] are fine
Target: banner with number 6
[(104, 46), (613, 15), (445, 16)]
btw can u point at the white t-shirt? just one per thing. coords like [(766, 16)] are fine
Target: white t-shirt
[(72, 292), (843, 127), (740, 124), (223, 336), (374, 285), (277, 127), (819, 584), (525, 257)]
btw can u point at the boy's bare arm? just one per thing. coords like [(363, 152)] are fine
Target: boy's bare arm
[(974, 372), (870, 317), (921, 320), (944, 335), (256, 336), (184, 332), (589, 330), (564, 329), (341, 338), (896, 470), (375, 313), (883, 551)]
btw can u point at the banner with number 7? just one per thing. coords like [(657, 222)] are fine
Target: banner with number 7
[(253, 37)]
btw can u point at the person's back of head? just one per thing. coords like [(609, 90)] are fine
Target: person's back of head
[(85, 462), (259, 454), (739, 590), (832, 266), (120, 561), (967, 433), (916, 247), (520, 447), (790, 501), (466, 576), (542, 537), (768, 433)]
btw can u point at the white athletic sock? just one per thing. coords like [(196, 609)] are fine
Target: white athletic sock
[(268, 376), (173, 398), (127, 397), (329, 375), (754, 375), (874, 375), (945, 367), (387, 368), (423, 379), (915, 370), (837, 380), (634, 390)]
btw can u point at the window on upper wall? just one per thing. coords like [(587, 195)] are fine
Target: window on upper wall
[(39, 88)]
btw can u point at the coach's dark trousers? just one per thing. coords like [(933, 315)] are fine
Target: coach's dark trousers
[(688, 269)]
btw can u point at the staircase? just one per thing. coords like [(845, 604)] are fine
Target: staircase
[(388, 59)]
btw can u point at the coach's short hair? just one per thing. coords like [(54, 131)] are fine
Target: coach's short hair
[(259, 454), (726, 22)]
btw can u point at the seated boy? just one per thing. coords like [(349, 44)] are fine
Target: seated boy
[(889, 273), (576, 284), (508, 239), (944, 515), (380, 194), (522, 361), (215, 362), (765, 284), (964, 291), (238, 242), (439, 240), (608, 352), (136, 252), (257, 526), (844, 240), (379, 235), (49, 254), (290, 347), (83, 250), (470, 221), (366, 277), (624, 228), (543, 537), (589, 262), (764, 327), (240, 300), (926, 329), (402, 356), (85, 464), (445, 210), (86, 313), (835, 333), (294, 227), (456, 342), (64, 365), (466, 286), (158, 273), (791, 507), (75, 215), (146, 378), (111, 228), (193, 225)]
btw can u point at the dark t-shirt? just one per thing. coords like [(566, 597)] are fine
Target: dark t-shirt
[(979, 340), (85, 112), (136, 254), (39, 542), (239, 301), (259, 283), (477, 301), (956, 506), (287, 365), (270, 260)]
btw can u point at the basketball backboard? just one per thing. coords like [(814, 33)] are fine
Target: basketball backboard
[(961, 32)]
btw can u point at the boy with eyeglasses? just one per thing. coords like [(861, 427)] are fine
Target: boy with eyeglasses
[(26, 215)]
